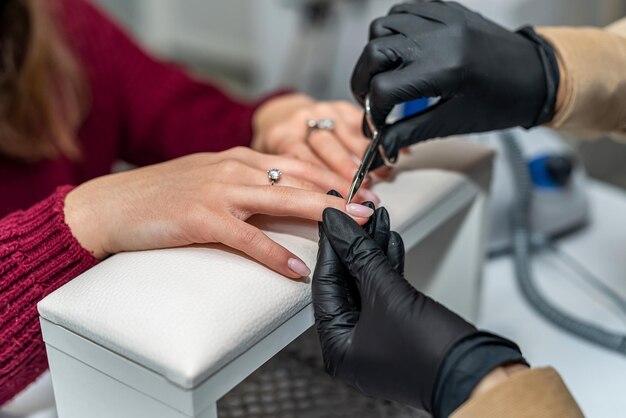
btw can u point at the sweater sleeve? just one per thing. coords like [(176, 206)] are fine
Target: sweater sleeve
[(38, 254), (593, 68), (164, 112), (535, 393)]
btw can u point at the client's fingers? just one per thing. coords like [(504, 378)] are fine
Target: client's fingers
[(330, 149), (302, 152), (349, 132), (287, 180), (287, 201), (253, 242), (309, 172), (242, 171)]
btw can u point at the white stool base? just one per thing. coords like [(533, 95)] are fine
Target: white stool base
[(82, 391)]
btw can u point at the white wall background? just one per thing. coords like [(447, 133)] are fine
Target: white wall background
[(251, 41)]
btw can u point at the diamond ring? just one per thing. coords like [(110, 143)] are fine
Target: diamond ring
[(273, 175), (325, 124)]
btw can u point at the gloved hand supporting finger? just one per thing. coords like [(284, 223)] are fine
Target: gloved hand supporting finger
[(378, 228), (334, 298), (402, 336), (365, 260)]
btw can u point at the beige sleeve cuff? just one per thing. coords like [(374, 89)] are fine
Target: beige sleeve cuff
[(535, 393), (593, 65), (618, 28)]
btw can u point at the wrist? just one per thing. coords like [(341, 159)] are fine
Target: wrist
[(563, 87), (83, 224), (496, 377), (551, 76), (468, 364)]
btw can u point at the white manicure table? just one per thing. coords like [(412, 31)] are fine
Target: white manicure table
[(166, 333)]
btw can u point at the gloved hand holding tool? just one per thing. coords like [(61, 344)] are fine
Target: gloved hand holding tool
[(381, 335), (485, 77)]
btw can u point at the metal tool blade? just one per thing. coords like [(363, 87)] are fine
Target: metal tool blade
[(370, 153)]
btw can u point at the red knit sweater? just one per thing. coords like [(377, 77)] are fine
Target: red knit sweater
[(142, 111)]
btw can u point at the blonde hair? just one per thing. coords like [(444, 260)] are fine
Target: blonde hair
[(42, 90)]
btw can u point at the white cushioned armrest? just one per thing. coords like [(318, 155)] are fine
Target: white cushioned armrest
[(185, 313)]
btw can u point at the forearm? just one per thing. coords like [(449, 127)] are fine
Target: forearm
[(592, 94), (518, 392), (38, 254)]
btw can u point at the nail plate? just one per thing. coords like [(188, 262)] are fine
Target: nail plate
[(360, 211), (298, 267)]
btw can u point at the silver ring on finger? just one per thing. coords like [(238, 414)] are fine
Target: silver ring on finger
[(326, 124), (273, 175)]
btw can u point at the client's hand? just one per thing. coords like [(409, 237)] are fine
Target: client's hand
[(382, 336), (282, 127), (202, 198)]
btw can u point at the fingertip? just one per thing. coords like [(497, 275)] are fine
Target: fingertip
[(395, 252), (382, 223), (378, 29), (402, 8), (335, 213), (359, 211), (379, 228), (335, 193), (370, 225), (369, 204), (384, 216), (395, 10), (395, 240), (298, 267)]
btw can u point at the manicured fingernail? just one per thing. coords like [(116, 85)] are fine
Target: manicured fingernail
[(298, 267), (360, 211), (369, 195)]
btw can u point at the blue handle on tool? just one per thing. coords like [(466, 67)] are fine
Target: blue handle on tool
[(414, 106)]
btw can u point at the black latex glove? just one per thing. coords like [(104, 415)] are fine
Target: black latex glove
[(377, 332), (487, 77)]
